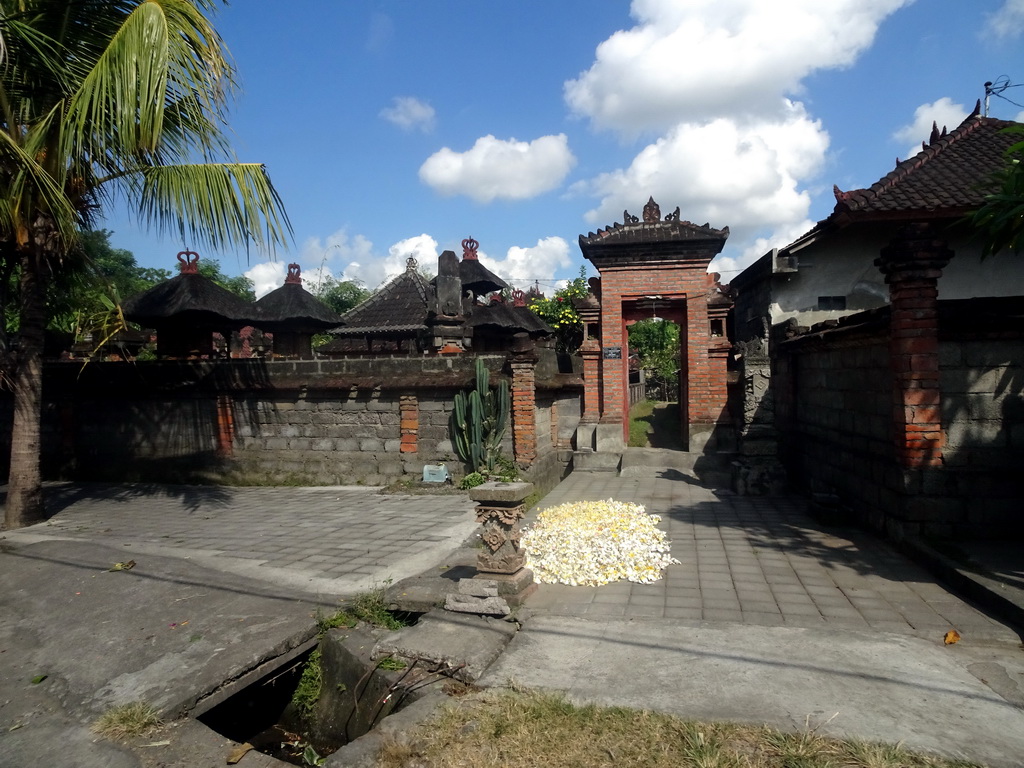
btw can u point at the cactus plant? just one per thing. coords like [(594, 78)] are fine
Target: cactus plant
[(478, 419)]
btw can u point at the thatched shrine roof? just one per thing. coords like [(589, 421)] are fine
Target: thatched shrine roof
[(189, 298), (475, 276), (513, 317), (292, 308)]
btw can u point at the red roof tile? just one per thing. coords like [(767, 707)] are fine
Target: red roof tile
[(951, 175)]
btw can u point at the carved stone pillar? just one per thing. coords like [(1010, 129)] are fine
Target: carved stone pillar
[(500, 510), (758, 470)]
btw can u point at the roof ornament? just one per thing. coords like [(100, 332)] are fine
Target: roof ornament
[(469, 246), (652, 212), (294, 275), (674, 216), (628, 219), (411, 265), (189, 261), (518, 297)]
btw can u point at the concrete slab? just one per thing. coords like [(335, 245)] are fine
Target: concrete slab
[(166, 632), (467, 644), (866, 685)]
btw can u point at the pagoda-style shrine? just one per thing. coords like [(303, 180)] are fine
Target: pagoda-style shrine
[(461, 309), (187, 310), (293, 315), (647, 267)]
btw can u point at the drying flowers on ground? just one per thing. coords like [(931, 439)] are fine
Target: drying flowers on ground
[(591, 543)]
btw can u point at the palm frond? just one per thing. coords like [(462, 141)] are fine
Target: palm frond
[(164, 53), (214, 204), (30, 189)]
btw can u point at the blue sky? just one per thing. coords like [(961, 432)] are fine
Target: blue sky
[(400, 128)]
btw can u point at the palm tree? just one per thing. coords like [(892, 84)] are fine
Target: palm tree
[(103, 101)]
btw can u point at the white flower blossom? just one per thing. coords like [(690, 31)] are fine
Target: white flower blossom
[(589, 543)]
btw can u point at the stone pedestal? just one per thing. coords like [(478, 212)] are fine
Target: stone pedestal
[(500, 510)]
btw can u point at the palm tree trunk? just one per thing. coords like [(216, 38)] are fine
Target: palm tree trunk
[(25, 484)]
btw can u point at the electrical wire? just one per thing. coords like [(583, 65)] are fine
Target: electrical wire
[(1000, 84)]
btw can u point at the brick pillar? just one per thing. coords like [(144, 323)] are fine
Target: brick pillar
[(912, 264), (225, 427), (409, 422), (590, 351), (523, 361)]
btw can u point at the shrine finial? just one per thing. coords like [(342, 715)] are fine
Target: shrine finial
[(189, 261), (411, 265), (294, 275), (469, 246), (652, 212)]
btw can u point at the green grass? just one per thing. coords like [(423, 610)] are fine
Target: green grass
[(522, 729), (307, 692), (640, 423)]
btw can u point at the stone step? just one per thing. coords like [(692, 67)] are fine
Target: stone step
[(710, 469), (587, 460)]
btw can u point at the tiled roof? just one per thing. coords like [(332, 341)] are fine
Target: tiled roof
[(652, 229), (951, 174), (399, 306)]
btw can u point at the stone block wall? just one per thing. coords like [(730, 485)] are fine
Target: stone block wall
[(838, 404), (833, 403), (335, 422), (981, 371)]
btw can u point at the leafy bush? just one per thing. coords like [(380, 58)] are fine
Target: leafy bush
[(561, 315)]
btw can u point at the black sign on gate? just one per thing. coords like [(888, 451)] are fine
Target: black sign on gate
[(612, 353)]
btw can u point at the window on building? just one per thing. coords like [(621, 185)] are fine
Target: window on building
[(831, 302), (717, 327)]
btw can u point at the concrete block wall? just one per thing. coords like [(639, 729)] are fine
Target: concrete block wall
[(834, 404), (836, 391), (337, 422), (982, 382)]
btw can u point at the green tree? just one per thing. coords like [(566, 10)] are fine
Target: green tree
[(340, 295), (656, 343), (560, 313), (104, 100), (240, 285), (84, 298), (1000, 220)]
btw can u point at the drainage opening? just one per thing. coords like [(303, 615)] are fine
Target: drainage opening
[(264, 715), (321, 699)]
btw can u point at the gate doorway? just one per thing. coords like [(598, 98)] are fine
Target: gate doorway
[(658, 264)]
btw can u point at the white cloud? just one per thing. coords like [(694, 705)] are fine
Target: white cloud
[(409, 114), (743, 177), (685, 61), (496, 168), (730, 266), (943, 112), (521, 266), (266, 277), (1008, 21), (714, 80)]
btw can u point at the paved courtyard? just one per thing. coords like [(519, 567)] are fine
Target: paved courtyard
[(331, 541), (762, 561)]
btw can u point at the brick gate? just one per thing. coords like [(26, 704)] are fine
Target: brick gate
[(661, 264)]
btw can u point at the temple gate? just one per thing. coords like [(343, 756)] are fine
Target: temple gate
[(654, 265)]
